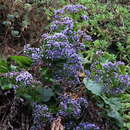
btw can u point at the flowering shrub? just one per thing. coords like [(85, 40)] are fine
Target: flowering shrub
[(41, 116), (61, 49), (33, 53), (71, 108), (113, 76), (70, 9), (62, 57), (77, 44)]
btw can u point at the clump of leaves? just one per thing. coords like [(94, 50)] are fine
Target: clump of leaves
[(108, 25)]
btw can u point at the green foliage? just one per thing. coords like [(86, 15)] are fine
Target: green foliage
[(3, 66), (114, 105), (46, 93), (22, 61), (6, 86), (94, 87), (108, 25), (29, 93), (125, 99), (114, 109)]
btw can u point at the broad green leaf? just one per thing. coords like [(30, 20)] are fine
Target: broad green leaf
[(7, 87), (94, 87), (116, 115), (22, 61), (115, 106), (3, 66), (126, 117), (127, 125), (46, 93), (114, 103)]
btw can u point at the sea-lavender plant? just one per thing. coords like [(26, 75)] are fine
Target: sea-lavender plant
[(65, 22), (84, 17), (25, 78), (84, 36), (41, 116), (56, 37), (112, 75), (70, 107), (34, 53), (70, 9), (62, 45), (60, 54)]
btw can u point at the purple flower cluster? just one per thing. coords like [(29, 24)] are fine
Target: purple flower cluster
[(84, 17), (62, 22), (67, 26), (55, 37), (125, 79), (11, 74), (84, 35), (109, 66), (41, 116), (24, 77), (70, 9), (62, 45), (34, 53), (111, 76), (57, 47), (113, 66), (86, 126), (71, 108)]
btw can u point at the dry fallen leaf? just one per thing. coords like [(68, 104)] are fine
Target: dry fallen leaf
[(56, 125)]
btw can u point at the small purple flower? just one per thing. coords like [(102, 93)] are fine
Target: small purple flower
[(41, 116), (84, 17), (87, 37), (34, 53), (71, 108), (84, 35), (70, 9), (24, 77), (120, 63), (110, 76), (125, 79), (87, 126)]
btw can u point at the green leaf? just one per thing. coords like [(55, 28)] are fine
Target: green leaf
[(3, 66), (22, 61), (113, 102), (127, 125), (107, 57), (7, 87), (27, 96), (116, 115), (94, 87), (15, 33), (115, 106), (46, 93)]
